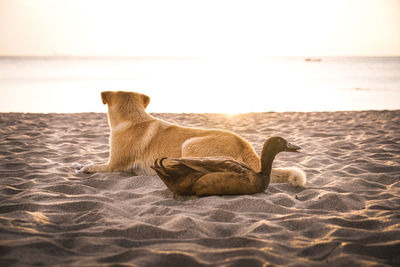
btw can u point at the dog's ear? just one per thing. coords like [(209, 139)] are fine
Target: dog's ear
[(105, 96), (146, 100)]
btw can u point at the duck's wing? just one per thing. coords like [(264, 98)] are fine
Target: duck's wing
[(206, 165), (204, 176), (173, 168)]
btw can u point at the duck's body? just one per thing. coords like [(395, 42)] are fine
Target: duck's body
[(208, 176), (219, 175)]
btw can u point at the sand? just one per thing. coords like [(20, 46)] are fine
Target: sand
[(348, 214)]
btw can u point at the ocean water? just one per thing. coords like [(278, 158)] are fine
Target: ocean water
[(223, 85)]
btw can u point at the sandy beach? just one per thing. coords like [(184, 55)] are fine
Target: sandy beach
[(348, 213)]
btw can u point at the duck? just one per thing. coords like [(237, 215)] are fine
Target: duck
[(207, 176)]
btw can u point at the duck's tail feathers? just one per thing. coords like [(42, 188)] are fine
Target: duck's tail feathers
[(293, 175), (159, 167), (169, 168), (159, 162)]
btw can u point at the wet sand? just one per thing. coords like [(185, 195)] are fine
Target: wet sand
[(348, 213)]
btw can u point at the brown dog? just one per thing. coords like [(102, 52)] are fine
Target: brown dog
[(137, 139)]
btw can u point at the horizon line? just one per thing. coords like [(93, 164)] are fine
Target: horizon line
[(188, 57)]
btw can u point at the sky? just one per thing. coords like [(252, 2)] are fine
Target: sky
[(200, 28)]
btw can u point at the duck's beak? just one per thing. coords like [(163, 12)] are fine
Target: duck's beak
[(292, 148)]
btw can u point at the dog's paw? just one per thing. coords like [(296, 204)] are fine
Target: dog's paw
[(85, 169)]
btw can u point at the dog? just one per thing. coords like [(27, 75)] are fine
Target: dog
[(137, 139)]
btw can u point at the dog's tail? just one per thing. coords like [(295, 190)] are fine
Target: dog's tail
[(293, 175)]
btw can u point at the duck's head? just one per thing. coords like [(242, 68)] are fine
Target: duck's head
[(278, 144)]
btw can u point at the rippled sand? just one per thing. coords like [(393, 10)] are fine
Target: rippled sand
[(347, 214)]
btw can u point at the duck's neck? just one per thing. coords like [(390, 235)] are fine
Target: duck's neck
[(267, 158)]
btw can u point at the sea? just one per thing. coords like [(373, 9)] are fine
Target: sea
[(64, 84)]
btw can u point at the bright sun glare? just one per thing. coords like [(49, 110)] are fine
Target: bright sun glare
[(211, 28)]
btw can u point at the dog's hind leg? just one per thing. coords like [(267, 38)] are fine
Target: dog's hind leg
[(212, 145)]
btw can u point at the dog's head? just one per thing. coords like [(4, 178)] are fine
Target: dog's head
[(125, 100), (124, 106)]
